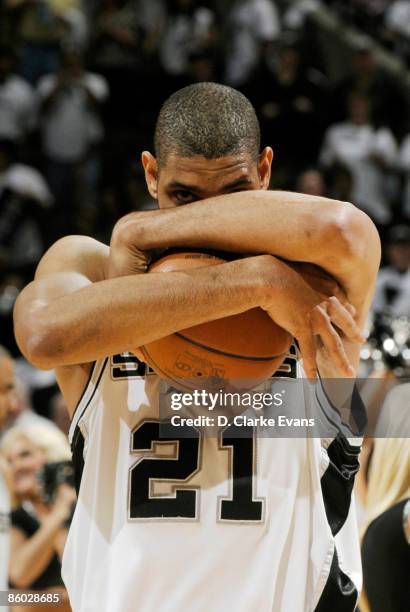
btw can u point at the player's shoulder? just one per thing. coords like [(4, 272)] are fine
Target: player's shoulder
[(75, 253)]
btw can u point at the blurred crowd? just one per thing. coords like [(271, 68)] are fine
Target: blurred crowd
[(81, 84), (388, 21)]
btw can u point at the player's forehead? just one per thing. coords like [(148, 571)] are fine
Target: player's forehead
[(209, 173)]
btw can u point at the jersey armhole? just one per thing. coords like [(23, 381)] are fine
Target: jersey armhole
[(87, 395)]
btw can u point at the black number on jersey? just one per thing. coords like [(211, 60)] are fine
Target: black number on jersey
[(128, 366), (180, 467), (241, 506)]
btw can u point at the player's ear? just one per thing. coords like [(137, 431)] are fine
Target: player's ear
[(264, 167), (151, 173)]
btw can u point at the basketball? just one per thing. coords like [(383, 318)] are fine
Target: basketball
[(236, 352)]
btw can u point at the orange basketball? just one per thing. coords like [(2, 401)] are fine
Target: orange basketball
[(235, 352)]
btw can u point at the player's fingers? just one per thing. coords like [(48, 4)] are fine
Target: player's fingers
[(322, 326), (351, 309), (307, 348), (340, 295), (341, 317)]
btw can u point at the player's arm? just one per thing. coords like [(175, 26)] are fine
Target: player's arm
[(71, 314), (334, 235)]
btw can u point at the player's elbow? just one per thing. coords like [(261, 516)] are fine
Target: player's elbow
[(38, 342), (36, 333), (353, 235), (41, 349)]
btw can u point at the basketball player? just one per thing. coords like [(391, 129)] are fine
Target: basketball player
[(8, 401), (170, 525)]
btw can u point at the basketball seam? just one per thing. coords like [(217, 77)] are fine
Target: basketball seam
[(225, 354)]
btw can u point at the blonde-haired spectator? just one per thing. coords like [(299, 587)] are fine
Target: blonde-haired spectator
[(39, 526), (7, 401), (386, 528)]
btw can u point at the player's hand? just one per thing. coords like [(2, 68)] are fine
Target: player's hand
[(125, 256), (310, 314), (323, 283)]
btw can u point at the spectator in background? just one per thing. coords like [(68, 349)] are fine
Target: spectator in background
[(253, 25), (386, 529), (6, 25), (71, 12), (296, 13), (369, 152), (397, 17), (290, 102), (8, 395), (72, 133), (151, 18), (404, 167), (23, 415), (202, 66), (189, 28), (116, 40), (393, 282), (25, 200), (17, 100), (311, 182), (368, 14), (382, 90), (4, 525), (7, 401), (40, 32), (39, 525), (397, 23), (14, 398), (339, 181), (124, 47)]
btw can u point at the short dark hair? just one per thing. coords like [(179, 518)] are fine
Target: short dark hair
[(206, 119)]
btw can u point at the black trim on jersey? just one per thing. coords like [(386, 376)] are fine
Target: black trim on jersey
[(95, 388), (358, 415), (84, 390), (340, 593), (77, 443), (337, 425), (77, 451), (337, 481)]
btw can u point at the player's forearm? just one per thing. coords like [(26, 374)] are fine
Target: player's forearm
[(120, 314), (289, 225)]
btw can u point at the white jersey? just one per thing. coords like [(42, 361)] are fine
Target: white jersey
[(4, 532), (203, 524)]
